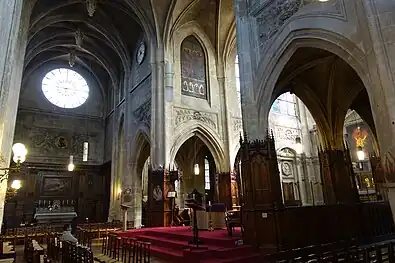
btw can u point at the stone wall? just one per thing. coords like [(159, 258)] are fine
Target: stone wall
[(50, 133)]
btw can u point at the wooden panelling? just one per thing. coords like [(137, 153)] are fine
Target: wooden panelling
[(87, 186)]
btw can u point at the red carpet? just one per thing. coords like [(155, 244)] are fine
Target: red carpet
[(171, 245)]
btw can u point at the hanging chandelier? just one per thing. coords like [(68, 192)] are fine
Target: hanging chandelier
[(91, 6), (79, 38), (72, 58)]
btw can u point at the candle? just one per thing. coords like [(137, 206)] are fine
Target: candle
[(209, 203)]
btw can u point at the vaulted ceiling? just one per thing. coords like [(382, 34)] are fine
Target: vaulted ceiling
[(215, 17), (110, 34), (109, 37), (328, 86)]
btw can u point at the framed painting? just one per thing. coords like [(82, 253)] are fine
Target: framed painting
[(57, 186)]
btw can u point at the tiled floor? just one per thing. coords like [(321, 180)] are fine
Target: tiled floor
[(95, 248)]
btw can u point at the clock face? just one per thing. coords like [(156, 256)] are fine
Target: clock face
[(141, 53), (65, 88)]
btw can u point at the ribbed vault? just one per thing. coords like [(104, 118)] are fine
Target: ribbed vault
[(329, 87), (109, 37)]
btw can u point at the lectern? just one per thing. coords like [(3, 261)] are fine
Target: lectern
[(125, 217), (195, 206)]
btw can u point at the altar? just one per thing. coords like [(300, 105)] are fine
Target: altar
[(212, 218), (56, 212)]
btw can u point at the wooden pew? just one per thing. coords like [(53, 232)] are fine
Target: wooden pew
[(344, 252), (125, 250), (34, 252), (73, 253)]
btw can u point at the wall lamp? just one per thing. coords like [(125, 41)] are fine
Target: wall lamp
[(19, 151)]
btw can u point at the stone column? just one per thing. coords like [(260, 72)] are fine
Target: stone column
[(14, 23), (169, 97), (225, 117), (306, 174), (158, 120), (114, 209), (379, 54), (253, 126)]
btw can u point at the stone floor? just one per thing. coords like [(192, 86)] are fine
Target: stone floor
[(95, 248)]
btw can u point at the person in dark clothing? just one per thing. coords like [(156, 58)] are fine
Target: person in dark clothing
[(74, 225)]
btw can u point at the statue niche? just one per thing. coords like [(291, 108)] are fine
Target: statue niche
[(193, 69)]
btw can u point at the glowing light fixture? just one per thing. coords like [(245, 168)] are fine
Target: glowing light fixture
[(71, 165), (196, 169), (19, 150), (16, 184), (298, 145), (360, 153)]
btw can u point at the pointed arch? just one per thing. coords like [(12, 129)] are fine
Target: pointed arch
[(271, 67), (207, 136)]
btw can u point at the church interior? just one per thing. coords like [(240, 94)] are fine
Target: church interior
[(206, 130)]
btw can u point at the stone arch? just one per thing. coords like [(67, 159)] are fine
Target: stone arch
[(233, 155), (142, 149), (204, 133), (269, 71)]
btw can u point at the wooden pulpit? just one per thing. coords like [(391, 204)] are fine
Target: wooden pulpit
[(125, 217)]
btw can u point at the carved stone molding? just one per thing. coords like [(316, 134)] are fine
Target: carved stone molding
[(237, 126), (286, 168), (143, 114), (271, 15), (286, 152), (184, 115)]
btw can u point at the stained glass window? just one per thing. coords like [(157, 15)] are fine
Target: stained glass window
[(285, 104), (65, 88)]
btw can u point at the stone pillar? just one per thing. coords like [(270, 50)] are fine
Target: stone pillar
[(158, 146), (225, 117), (14, 23), (253, 126), (301, 179), (382, 99)]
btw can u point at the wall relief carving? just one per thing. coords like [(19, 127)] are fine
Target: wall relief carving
[(286, 152), (185, 115), (193, 69), (286, 168), (61, 142), (237, 125), (271, 15), (143, 114), (51, 141), (286, 133)]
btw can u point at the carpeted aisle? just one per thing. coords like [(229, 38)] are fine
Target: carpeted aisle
[(171, 244)]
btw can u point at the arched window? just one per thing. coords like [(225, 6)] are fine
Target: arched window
[(285, 104), (193, 69), (237, 74), (206, 174)]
